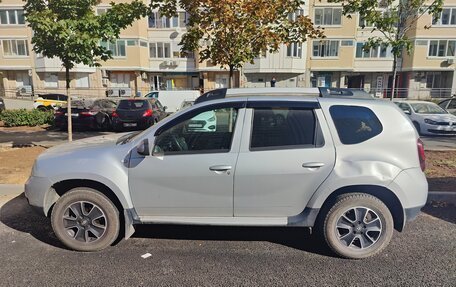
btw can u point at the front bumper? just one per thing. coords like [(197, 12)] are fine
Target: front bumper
[(441, 129), (37, 194)]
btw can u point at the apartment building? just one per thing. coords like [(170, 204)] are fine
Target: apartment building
[(147, 56), (340, 61)]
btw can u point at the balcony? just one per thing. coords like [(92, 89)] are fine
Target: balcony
[(43, 64)]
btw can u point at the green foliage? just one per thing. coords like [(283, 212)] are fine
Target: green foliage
[(392, 18), (233, 32), (71, 30), (15, 118)]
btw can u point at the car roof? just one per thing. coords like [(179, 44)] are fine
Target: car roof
[(280, 93)]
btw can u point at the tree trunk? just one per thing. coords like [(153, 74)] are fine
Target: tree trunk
[(393, 87), (230, 81), (70, 124)]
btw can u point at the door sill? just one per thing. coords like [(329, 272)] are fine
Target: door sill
[(223, 221)]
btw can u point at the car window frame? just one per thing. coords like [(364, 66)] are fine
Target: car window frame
[(318, 134), (189, 115)]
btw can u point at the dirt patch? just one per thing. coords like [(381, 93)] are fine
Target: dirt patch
[(441, 170), (16, 163)]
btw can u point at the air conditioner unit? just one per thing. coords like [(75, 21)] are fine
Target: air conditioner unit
[(144, 75), (112, 93), (125, 92), (450, 61)]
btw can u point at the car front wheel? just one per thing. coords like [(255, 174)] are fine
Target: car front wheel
[(85, 220), (358, 226)]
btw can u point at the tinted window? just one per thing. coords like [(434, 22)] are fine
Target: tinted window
[(444, 104), (208, 131), (405, 107), (355, 124), (50, 97), (452, 104), (282, 127), (132, 105)]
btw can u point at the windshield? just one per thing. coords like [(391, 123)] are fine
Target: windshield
[(427, 108)]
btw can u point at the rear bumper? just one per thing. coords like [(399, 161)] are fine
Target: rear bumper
[(412, 213)]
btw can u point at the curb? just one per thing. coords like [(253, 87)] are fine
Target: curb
[(11, 189)]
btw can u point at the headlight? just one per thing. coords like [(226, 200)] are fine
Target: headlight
[(431, 122), (211, 119)]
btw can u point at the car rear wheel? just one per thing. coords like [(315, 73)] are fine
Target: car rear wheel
[(358, 226), (85, 220)]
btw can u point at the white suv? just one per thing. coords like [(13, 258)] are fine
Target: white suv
[(351, 168)]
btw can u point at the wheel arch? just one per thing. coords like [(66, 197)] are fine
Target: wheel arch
[(384, 194), (127, 216)]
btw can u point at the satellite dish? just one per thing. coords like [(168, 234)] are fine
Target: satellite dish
[(173, 35)]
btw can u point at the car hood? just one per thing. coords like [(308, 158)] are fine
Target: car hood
[(440, 117), (88, 144)]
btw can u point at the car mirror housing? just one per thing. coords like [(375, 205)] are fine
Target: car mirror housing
[(143, 148), (407, 112)]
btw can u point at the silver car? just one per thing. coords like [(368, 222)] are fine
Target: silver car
[(351, 168)]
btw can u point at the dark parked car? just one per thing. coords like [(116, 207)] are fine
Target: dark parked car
[(2, 105), (449, 105), (87, 114), (137, 114)]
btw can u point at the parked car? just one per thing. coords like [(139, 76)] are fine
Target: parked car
[(137, 114), (2, 105), (343, 166), (173, 99), (449, 105), (87, 114), (185, 104), (428, 118), (46, 102)]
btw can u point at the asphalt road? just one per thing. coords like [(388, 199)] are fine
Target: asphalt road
[(423, 255)]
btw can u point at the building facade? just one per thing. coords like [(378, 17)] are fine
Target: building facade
[(147, 57)]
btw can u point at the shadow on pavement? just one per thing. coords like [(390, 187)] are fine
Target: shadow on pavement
[(442, 183), (442, 210), (18, 215)]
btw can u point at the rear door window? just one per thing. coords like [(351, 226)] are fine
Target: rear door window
[(355, 124), (282, 128)]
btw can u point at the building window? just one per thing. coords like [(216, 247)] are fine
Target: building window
[(102, 10), (442, 48), (294, 16), (382, 51), (82, 80), (15, 48), (12, 17), (325, 48), (160, 50), (51, 80), (433, 80), (294, 50), (158, 21), (446, 17), (363, 23), (117, 48), (328, 16)]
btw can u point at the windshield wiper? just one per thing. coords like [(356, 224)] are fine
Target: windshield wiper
[(127, 138)]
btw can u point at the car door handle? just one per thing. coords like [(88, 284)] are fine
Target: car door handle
[(313, 164), (220, 168)]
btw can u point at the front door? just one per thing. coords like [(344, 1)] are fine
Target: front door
[(191, 169), (282, 161)]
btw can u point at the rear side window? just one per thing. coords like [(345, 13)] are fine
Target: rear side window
[(282, 128), (355, 124)]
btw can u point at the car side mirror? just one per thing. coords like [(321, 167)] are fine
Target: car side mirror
[(143, 148), (407, 112), (165, 108)]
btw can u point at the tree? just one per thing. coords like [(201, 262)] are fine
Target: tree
[(71, 31), (393, 19), (233, 32)]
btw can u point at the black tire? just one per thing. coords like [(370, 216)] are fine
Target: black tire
[(338, 229), (94, 229), (42, 109), (417, 127)]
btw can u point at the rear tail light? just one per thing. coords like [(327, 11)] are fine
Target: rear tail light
[(147, 113), (115, 114), (421, 154), (88, 113), (58, 113)]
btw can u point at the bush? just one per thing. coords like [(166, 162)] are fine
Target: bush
[(15, 118)]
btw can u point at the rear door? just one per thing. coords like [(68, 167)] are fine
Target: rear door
[(286, 153)]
